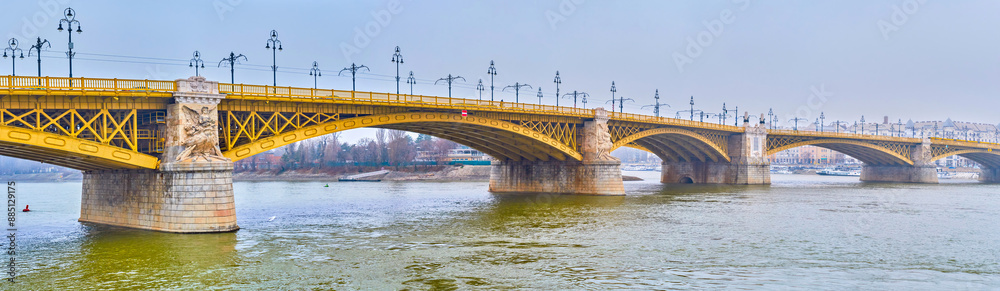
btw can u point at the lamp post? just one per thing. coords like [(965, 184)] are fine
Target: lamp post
[(613, 90), (576, 94), (770, 116), (539, 95), (725, 113), (493, 73), (822, 120), (517, 89), (411, 80), (196, 62), (38, 49), (736, 116), (797, 122), (14, 51), (316, 73), (398, 59), (621, 103), (233, 59), (70, 19), (656, 106), (774, 122), (557, 80), (275, 45), (862, 124), (449, 79), (354, 71), (692, 108), (480, 88)]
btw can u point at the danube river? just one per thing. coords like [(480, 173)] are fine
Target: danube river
[(802, 232)]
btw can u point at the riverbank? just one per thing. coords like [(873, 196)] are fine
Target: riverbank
[(43, 177)]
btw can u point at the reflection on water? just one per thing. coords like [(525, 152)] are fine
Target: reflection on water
[(803, 232)]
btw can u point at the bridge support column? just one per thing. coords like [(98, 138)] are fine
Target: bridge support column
[(922, 170), (900, 174), (598, 174), (187, 198), (747, 165), (990, 175), (191, 192)]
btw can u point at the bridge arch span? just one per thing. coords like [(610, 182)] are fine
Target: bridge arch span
[(675, 144), (986, 158), (500, 139), (70, 152), (869, 153)]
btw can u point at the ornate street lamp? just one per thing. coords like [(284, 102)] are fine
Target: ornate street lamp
[(14, 51), (70, 19), (410, 80), (196, 62), (517, 90), (38, 49), (449, 79), (492, 71), (398, 59), (232, 60), (557, 80), (354, 71), (316, 73), (480, 88), (275, 45)]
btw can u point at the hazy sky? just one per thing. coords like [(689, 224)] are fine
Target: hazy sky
[(925, 60)]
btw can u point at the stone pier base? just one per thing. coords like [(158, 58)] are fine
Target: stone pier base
[(180, 197), (579, 178), (715, 173), (900, 174), (990, 175)]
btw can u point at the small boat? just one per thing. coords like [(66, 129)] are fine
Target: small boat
[(829, 172), (945, 175), (25, 209), (365, 177)]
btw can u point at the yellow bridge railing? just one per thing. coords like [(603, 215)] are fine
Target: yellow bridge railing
[(260, 92), (59, 83), (841, 135)]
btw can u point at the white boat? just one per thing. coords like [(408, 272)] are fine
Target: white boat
[(829, 172)]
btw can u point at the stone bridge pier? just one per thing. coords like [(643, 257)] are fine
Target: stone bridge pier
[(598, 174), (747, 165), (190, 192), (990, 175), (922, 170)]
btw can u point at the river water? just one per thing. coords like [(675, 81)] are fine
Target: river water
[(801, 232)]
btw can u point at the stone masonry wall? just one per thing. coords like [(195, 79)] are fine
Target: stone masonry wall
[(175, 199), (900, 174), (595, 178)]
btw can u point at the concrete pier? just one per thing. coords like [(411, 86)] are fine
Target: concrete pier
[(184, 198), (591, 178)]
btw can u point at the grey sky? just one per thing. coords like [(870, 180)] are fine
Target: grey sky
[(941, 62)]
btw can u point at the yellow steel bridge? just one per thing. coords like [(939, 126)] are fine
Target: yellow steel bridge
[(99, 124)]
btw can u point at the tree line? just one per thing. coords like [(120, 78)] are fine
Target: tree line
[(389, 148)]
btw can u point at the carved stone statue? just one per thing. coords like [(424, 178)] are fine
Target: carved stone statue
[(202, 138), (597, 138)]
